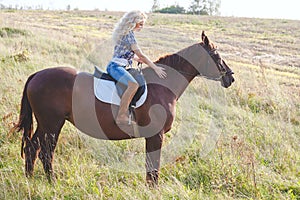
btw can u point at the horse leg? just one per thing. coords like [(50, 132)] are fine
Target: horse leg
[(153, 152), (31, 151), (48, 141)]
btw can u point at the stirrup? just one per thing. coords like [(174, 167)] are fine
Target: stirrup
[(130, 122)]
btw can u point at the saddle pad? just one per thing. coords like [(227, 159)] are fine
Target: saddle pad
[(106, 91)]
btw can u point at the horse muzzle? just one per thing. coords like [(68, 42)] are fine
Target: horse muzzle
[(227, 79)]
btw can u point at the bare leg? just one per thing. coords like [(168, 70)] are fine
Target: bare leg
[(129, 93)]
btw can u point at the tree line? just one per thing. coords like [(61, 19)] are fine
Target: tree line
[(197, 7)]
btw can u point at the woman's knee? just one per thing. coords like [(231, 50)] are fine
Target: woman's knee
[(133, 85)]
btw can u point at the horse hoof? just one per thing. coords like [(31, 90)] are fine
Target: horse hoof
[(28, 174), (51, 178), (152, 184)]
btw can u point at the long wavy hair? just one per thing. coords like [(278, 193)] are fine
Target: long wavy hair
[(127, 23)]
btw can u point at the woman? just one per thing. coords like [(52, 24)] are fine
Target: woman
[(126, 49)]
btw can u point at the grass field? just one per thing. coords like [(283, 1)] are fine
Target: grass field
[(240, 143)]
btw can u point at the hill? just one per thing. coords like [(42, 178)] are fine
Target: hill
[(243, 141)]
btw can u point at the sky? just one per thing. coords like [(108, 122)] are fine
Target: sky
[(287, 9)]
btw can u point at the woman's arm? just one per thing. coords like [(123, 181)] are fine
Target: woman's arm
[(137, 59), (160, 71)]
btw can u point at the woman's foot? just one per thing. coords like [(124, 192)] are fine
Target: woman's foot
[(122, 120)]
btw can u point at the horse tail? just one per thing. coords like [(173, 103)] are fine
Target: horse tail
[(25, 119)]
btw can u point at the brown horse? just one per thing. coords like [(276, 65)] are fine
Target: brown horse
[(58, 94)]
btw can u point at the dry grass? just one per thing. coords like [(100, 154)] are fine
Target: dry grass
[(244, 140)]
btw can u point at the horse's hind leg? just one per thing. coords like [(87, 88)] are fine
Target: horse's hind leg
[(48, 141), (31, 151)]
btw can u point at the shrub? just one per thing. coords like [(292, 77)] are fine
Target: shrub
[(10, 32)]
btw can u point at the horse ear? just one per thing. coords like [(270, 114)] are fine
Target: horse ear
[(205, 38), (203, 35)]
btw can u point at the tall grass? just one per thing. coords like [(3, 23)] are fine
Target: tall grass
[(240, 143)]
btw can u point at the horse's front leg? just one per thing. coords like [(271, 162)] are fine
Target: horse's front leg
[(153, 152)]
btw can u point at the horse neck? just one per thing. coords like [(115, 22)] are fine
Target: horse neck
[(177, 63), (179, 74), (196, 56), (181, 68)]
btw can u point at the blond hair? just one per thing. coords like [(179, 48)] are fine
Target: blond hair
[(127, 23)]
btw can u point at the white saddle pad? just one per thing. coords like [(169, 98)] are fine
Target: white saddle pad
[(106, 91)]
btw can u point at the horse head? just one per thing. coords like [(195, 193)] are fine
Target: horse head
[(218, 69), (207, 62)]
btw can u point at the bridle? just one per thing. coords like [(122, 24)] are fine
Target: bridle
[(223, 71)]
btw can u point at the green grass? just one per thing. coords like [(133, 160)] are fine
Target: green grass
[(241, 142)]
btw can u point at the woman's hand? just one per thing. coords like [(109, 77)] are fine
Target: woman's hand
[(160, 71)]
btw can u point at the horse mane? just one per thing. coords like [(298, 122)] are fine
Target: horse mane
[(175, 59), (171, 60), (178, 62)]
